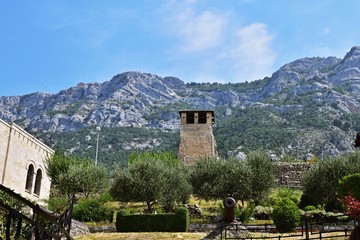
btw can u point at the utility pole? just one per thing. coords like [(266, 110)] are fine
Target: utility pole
[(97, 144)]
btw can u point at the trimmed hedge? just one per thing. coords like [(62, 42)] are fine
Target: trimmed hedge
[(166, 222)]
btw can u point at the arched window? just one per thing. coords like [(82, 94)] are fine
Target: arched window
[(29, 178), (38, 182)]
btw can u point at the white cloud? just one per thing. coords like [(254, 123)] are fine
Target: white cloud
[(198, 31), (254, 45), (223, 49)]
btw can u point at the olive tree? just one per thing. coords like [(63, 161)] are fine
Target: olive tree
[(263, 175), (71, 174), (83, 178), (213, 178), (151, 180), (321, 182)]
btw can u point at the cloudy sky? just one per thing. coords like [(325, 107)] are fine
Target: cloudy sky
[(47, 46)]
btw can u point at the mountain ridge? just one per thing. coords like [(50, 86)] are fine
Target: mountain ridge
[(327, 87)]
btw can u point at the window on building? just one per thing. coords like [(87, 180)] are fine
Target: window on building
[(29, 178), (38, 182), (202, 117), (190, 118)]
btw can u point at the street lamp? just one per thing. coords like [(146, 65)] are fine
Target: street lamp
[(97, 144)]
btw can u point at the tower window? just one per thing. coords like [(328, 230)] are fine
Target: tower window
[(29, 178), (190, 118), (202, 117)]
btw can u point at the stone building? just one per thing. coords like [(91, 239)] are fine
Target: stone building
[(22, 163), (196, 135)]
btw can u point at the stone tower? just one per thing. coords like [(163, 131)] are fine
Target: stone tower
[(196, 135)]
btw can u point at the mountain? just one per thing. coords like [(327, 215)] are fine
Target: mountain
[(310, 106)]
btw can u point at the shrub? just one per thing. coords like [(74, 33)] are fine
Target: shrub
[(310, 208), (350, 185), (166, 222), (93, 210), (286, 215), (57, 204), (243, 214), (305, 201), (262, 213)]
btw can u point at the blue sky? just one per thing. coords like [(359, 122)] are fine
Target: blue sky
[(47, 46)]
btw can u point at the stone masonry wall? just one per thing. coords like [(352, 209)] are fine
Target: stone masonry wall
[(290, 174), (196, 140), (18, 151)]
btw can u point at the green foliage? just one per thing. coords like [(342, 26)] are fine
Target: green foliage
[(168, 158), (286, 215), (262, 213), (263, 175), (71, 174), (166, 222), (57, 204), (350, 185), (253, 128), (177, 188), (16, 205), (94, 209), (238, 87), (244, 213), (151, 179), (305, 201), (79, 178), (285, 192), (321, 182), (114, 147), (57, 164), (310, 208), (213, 178), (182, 221)]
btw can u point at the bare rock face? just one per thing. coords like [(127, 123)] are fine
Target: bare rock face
[(135, 99)]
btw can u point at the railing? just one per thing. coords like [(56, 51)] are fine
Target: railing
[(335, 227), (40, 224)]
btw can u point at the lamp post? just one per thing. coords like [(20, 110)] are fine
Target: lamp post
[(97, 144)]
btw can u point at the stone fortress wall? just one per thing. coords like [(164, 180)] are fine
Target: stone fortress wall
[(290, 174), (22, 166)]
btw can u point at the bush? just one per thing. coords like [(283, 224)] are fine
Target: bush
[(350, 185), (93, 210), (262, 213), (243, 214), (286, 215), (167, 222), (309, 208), (305, 201)]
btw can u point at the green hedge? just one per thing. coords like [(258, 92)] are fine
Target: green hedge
[(166, 222)]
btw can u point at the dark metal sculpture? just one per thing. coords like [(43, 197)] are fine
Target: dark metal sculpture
[(42, 224), (229, 213)]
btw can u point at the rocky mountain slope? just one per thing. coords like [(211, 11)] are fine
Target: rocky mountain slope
[(309, 106)]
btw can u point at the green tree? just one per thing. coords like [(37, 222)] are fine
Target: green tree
[(213, 178), (321, 182), (205, 178), (83, 177), (350, 185), (263, 174), (71, 174), (57, 164), (150, 180)]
